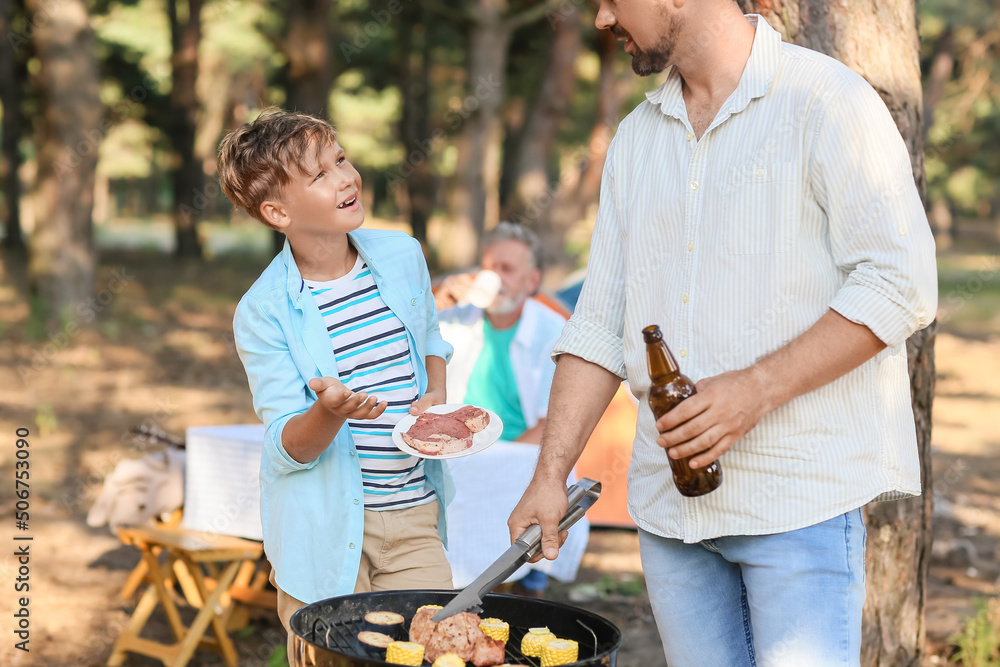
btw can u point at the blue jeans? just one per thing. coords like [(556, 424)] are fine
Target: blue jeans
[(535, 580), (786, 600)]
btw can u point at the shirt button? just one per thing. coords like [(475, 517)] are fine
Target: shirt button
[(356, 501), (683, 353), (685, 298), (694, 185), (352, 455), (690, 136), (690, 247), (351, 545), (902, 230), (760, 173), (413, 302)]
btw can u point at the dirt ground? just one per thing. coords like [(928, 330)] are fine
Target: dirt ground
[(155, 347)]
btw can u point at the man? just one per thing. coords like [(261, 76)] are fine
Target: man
[(502, 354), (759, 207)]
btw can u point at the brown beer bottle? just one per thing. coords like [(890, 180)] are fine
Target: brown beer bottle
[(668, 388)]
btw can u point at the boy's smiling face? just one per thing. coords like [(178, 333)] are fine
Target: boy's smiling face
[(322, 198)]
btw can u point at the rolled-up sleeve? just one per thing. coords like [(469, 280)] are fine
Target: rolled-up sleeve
[(879, 234), (594, 332), (279, 392)]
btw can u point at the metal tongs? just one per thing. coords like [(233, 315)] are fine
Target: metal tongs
[(581, 496)]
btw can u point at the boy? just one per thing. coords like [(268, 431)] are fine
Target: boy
[(339, 337)]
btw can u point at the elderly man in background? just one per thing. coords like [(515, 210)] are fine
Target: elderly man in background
[(502, 354)]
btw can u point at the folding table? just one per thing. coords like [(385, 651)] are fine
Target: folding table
[(221, 556)]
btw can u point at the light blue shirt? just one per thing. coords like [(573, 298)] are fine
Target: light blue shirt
[(313, 513)]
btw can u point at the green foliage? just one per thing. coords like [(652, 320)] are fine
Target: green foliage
[(279, 657), (234, 35), (963, 141), (978, 640), (969, 293), (45, 419), (365, 119), (141, 30), (622, 585), (127, 150), (38, 313)]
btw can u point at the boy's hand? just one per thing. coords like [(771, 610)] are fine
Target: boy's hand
[(344, 403), (427, 400)]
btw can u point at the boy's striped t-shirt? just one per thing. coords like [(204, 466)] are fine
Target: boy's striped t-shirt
[(373, 356)]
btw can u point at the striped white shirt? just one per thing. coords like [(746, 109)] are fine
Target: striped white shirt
[(373, 356), (799, 198)]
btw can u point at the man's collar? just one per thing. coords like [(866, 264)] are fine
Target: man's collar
[(760, 70)]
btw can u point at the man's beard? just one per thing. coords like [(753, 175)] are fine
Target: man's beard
[(505, 305), (656, 59)]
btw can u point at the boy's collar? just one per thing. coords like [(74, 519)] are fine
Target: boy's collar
[(296, 285)]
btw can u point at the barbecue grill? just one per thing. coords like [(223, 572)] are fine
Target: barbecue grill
[(326, 632)]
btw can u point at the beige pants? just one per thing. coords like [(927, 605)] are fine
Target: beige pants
[(401, 551)]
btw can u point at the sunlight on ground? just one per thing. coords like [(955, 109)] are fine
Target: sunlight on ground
[(161, 353), (967, 396)]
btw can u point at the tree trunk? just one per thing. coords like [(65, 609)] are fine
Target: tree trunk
[(12, 76), (476, 198), (308, 73), (879, 40), (418, 137), (578, 190), (307, 47), (532, 195), (188, 176), (941, 70), (61, 251)]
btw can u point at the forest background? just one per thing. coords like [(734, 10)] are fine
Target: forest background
[(122, 260), (457, 115)]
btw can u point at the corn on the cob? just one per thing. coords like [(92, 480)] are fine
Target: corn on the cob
[(534, 640), (449, 660), (495, 628), (405, 653), (430, 606), (559, 652)]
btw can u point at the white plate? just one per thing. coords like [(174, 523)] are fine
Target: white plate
[(480, 441)]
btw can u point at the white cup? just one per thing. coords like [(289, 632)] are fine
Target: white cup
[(484, 290)]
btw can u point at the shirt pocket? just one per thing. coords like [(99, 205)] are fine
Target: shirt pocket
[(761, 209), (416, 308)]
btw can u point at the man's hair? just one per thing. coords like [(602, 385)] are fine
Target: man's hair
[(255, 158), (511, 231)]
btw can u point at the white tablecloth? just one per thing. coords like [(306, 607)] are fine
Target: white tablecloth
[(222, 480), (488, 486)]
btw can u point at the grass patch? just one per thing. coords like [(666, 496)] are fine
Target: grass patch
[(977, 641), (969, 293)]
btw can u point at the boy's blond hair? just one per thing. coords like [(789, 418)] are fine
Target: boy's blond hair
[(255, 158)]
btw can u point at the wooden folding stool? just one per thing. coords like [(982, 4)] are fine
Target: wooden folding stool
[(222, 556)]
